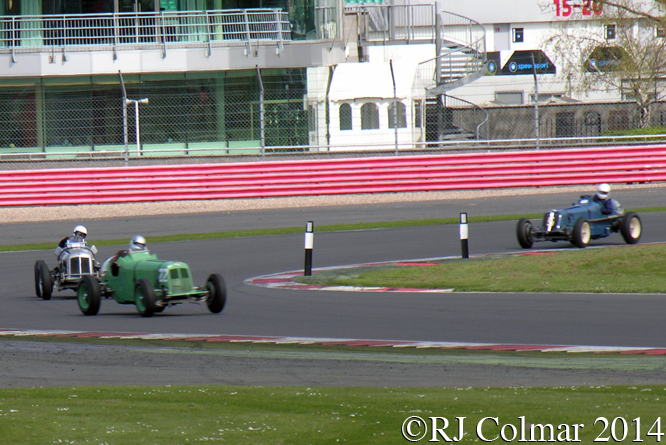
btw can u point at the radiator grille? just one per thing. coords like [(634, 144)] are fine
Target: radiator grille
[(80, 266)]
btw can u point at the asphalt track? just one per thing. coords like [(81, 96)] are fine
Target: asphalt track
[(545, 319)]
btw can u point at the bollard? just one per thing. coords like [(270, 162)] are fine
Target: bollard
[(309, 242), (464, 233)]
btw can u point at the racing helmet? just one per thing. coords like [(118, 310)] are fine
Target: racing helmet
[(80, 232), (137, 244), (603, 191)]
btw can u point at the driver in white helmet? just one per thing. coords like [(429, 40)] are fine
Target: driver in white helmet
[(603, 198), (78, 236), (137, 244)]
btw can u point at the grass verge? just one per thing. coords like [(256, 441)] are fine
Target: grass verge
[(630, 269), (279, 415)]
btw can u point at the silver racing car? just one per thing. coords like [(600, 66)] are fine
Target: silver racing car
[(75, 261)]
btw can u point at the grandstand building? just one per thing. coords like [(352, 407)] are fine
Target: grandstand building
[(217, 77)]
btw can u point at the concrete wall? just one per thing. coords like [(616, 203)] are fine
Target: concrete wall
[(294, 55)]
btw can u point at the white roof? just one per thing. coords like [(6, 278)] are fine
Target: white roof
[(372, 81)]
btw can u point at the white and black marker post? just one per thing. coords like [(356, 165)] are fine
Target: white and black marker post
[(309, 242), (464, 233)]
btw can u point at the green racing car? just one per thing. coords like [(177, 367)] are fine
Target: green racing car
[(138, 277)]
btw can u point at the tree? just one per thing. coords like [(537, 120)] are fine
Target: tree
[(652, 10), (620, 47)]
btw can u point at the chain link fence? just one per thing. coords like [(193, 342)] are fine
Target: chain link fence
[(222, 117)]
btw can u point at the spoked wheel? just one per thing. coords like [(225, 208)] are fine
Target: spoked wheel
[(144, 298), (217, 293), (524, 233), (582, 233), (89, 295), (631, 228), (43, 281)]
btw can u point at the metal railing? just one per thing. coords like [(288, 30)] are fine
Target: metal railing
[(389, 23), (89, 32), (470, 120), (461, 56)]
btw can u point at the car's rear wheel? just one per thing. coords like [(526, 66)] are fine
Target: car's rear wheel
[(144, 298), (582, 233), (43, 281), (524, 233), (631, 228), (89, 295), (217, 293)]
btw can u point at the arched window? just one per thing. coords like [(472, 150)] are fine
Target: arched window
[(401, 120), (345, 117), (369, 116)]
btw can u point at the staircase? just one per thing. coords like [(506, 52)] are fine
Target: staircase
[(458, 65), (461, 53), (461, 59)]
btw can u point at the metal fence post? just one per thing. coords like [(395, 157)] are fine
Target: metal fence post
[(261, 113), (122, 88), (536, 103), (395, 108)]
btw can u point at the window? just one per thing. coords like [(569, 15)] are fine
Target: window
[(518, 35), (509, 98), (545, 97), (565, 124), (592, 123), (610, 32), (369, 116), (401, 118), (345, 117), (417, 114), (618, 120)]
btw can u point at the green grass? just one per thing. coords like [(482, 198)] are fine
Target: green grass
[(299, 415), (632, 269)]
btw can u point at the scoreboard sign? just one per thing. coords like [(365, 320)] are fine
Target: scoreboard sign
[(566, 8)]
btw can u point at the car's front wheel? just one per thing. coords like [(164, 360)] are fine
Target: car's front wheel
[(144, 298), (582, 233), (631, 228), (88, 295), (217, 293), (43, 281), (524, 233)]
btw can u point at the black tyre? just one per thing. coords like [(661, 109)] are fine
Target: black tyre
[(631, 228), (144, 298), (582, 233), (89, 295), (524, 233), (43, 281), (217, 293)]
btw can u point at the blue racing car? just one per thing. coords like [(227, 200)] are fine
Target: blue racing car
[(586, 220)]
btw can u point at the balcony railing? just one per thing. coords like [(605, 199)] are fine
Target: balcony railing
[(381, 24), (122, 31)]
